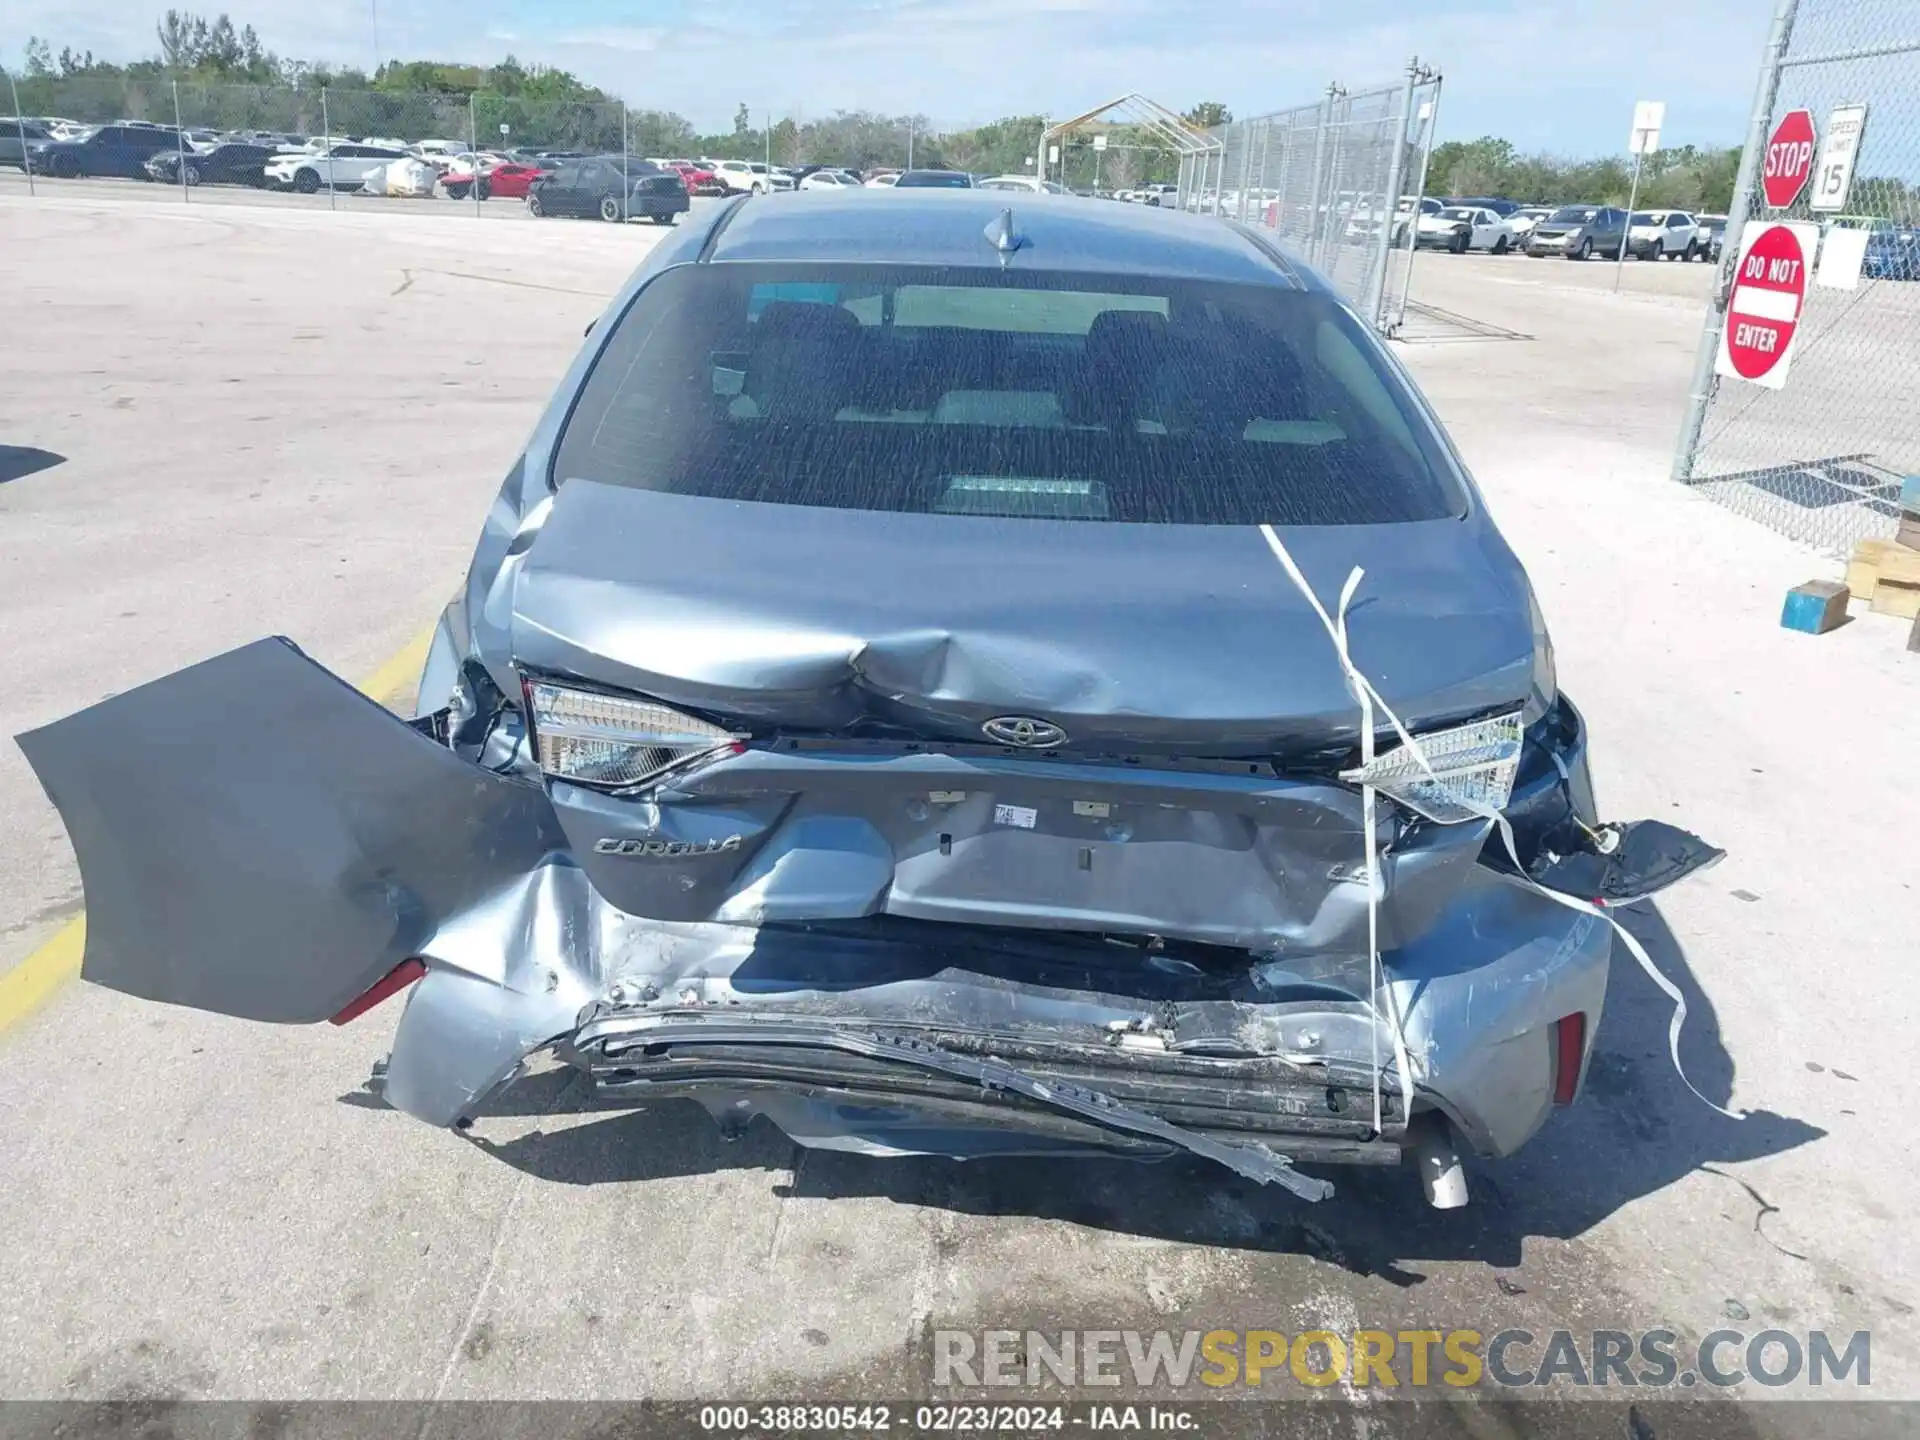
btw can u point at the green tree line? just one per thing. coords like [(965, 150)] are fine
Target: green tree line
[(1683, 178)]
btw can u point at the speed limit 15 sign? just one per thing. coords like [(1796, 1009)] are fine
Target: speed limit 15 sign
[(1833, 172)]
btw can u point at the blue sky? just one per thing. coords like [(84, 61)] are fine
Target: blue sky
[(1546, 76)]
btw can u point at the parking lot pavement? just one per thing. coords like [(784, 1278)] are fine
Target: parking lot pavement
[(1665, 614), (264, 426), (352, 202), (255, 431), (1692, 280)]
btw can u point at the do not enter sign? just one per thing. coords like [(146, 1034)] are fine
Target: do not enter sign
[(1763, 311)]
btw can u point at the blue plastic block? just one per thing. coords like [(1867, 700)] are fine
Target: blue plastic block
[(1910, 494), (1815, 607)]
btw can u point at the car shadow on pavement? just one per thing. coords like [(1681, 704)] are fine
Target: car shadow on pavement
[(18, 461), (1636, 1130)]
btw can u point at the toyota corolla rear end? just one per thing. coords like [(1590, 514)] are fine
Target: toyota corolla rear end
[(1016, 702)]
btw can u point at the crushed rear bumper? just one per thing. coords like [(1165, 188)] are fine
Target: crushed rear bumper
[(257, 839)]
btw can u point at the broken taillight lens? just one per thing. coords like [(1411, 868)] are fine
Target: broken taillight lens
[(1569, 1048), (391, 983), (615, 741), (1473, 769)]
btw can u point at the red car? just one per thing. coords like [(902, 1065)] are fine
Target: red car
[(699, 180), (510, 182)]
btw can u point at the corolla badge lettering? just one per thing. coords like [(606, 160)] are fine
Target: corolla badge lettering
[(665, 849), (1025, 731)]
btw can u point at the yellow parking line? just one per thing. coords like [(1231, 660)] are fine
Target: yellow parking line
[(28, 986)]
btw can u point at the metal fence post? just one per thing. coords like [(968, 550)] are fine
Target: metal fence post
[(1708, 351), (1266, 154), (326, 140), (1337, 142), (626, 147), (21, 122), (1320, 135), (1431, 129), (1626, 230), (1396, 170), (473, 148), (179, 142), (1246, 169)]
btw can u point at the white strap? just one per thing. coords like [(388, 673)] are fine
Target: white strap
[(1375, 871), (1369, 697)]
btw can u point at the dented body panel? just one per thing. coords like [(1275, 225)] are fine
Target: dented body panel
[(1135, 639), (256, 837)]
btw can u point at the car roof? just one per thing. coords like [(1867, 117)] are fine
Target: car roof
[(947, 227)]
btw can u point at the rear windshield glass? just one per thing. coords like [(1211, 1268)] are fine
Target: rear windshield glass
[(984, 392), (1574, 214)]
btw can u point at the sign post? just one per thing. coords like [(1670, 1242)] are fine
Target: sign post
[(1642, 141), (1833, 176), (1099, 147), (1789, 159), (1763, 308)]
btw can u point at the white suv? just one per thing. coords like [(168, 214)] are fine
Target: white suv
[(346, 166), (750, 177), (1663, 235), (828, 180)]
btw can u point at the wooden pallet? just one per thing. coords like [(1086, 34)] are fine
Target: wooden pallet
[(1886, 574)]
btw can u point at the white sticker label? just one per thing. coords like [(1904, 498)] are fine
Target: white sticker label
[(1019, 815), (1842, 254), (1092, 809)]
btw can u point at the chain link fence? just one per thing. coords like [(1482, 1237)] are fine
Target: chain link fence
[(1338, 180), (1821, 458)]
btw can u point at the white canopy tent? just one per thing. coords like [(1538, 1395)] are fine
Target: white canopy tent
[(1202, 155)]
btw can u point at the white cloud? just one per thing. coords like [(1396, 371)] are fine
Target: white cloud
[(616, 37)]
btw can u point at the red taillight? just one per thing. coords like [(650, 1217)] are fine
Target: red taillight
[(394, 981), (1569, 1045)]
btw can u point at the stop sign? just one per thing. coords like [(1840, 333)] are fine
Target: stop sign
[(1763, 309), (1789, 159)]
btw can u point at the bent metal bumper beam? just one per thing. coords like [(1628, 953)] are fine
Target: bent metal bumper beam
[(1252, 1159)]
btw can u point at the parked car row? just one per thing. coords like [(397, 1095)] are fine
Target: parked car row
[(140, 150), (1575, 232)]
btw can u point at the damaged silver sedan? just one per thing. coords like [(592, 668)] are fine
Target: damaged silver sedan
[(951, 681)]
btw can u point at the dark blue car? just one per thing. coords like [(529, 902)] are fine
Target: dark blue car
[(111, 150), (1892, 255)]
